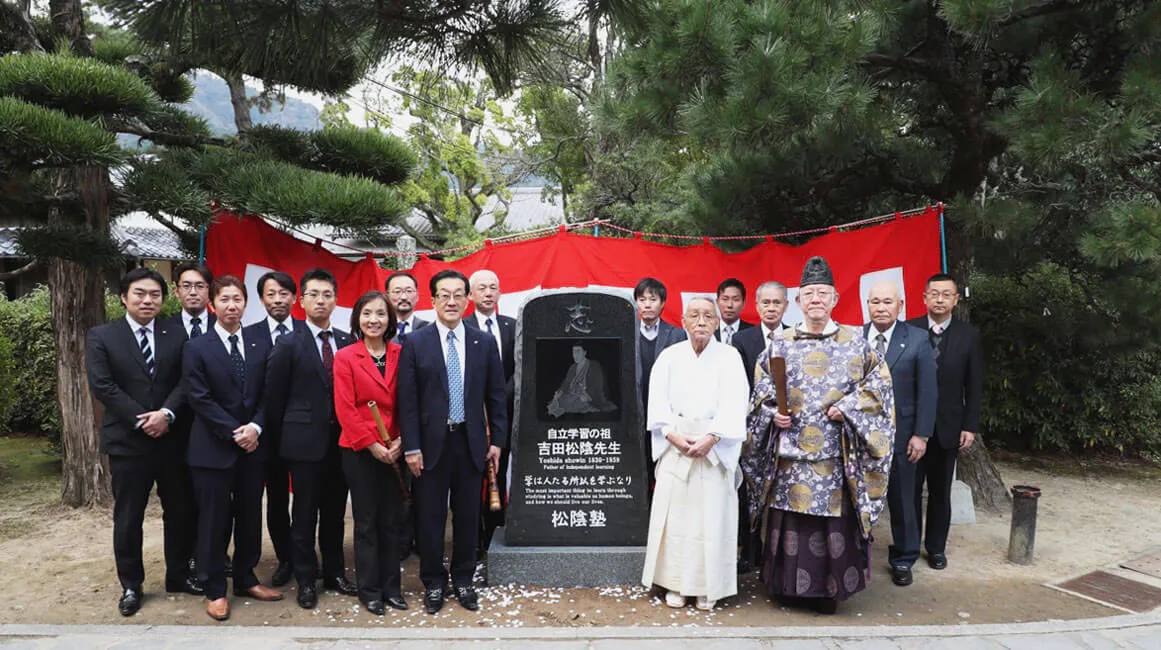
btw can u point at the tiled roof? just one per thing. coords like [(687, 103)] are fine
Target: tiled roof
[(148, 243)]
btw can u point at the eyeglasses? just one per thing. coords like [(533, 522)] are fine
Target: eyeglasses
[(946, 295), (445, 297), (811, 294), (192, 286), (315, 295), (402, 292)]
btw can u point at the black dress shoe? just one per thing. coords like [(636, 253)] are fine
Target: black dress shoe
[(341, 585), (468, 599), (375, 607), (433, 600), (901, 575), (130, 602), (397, 602), (282, 574), (307, 596), (190, 585), (937, 561)]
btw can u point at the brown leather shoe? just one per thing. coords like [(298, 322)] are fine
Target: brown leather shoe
[(219, 609), (259, 592)]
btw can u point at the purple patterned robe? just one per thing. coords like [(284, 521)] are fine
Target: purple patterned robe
[(803, 469)]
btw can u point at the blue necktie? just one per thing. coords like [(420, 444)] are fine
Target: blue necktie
[(455, 382), (195, 327)]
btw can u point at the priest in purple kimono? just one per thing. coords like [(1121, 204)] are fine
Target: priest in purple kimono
[(817, 478)]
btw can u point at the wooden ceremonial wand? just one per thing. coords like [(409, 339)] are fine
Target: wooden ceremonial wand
[(778, 373), (387, 440), (494, 503)]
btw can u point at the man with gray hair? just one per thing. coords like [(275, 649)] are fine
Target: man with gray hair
[(771, 301), (484, 292), (913, 375)]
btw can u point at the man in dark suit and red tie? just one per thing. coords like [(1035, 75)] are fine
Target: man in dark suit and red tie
[(300, 405), (959, 363), (225, 374), (451, 388), (134, 370)]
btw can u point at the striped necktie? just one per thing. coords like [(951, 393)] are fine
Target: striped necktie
[(147, 350)]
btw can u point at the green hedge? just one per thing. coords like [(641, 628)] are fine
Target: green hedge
[(28, 361), (1058, 374)]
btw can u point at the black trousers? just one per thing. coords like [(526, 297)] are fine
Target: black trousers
[(133, 478), (454, 474), (937, 467), (901, 493), (375, 503), (320, 502), (491, 520), (225, 497), (278, 508)]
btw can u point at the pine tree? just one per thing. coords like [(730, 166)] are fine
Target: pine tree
[(65, 97), (1037, 120)]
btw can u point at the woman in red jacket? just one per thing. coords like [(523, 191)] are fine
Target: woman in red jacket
[(365, 373)]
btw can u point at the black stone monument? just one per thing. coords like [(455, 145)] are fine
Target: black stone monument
[(578, 510)]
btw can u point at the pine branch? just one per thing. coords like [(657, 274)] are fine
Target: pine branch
[(14, 273), (179, 139), (1036, 11)]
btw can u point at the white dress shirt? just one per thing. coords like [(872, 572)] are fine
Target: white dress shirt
[(187, 321), (873, 335), (931, 324), (461, 343), (136, 327), (650, 333), (480, 318), (273, 325), (225, 338), (318, 342)]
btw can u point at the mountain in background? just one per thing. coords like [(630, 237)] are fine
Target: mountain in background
[(211, 100)]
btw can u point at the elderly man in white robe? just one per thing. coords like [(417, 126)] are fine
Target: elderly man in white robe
[(698, 398)]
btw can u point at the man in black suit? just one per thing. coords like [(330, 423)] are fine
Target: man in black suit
[(402, 292), (225, 373), (134, 370), (193, 292), (912, 365), (653, 336), (751, 342), (959, 363), (300, 404), (485, 296), (731, 300), (451, 389), (277, 292)]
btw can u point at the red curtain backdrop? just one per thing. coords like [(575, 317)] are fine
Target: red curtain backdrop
[(906, 250)]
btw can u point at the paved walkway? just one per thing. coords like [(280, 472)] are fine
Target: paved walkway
[(1137, 631)]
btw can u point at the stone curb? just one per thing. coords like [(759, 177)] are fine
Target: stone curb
[(594, 633)]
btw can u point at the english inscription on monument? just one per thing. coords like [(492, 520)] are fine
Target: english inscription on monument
[(579, 458)]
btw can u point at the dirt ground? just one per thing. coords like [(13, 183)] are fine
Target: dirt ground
[(58, 568)]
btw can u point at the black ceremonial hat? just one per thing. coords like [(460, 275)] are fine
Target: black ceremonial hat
[(816, 271)]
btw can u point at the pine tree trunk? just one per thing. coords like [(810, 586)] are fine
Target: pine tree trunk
[(78, 303), (68, 20), (975, 467), (239, 101)]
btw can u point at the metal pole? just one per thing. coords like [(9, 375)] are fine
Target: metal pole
[(942, 240), (202, 247), (1022, 539)]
